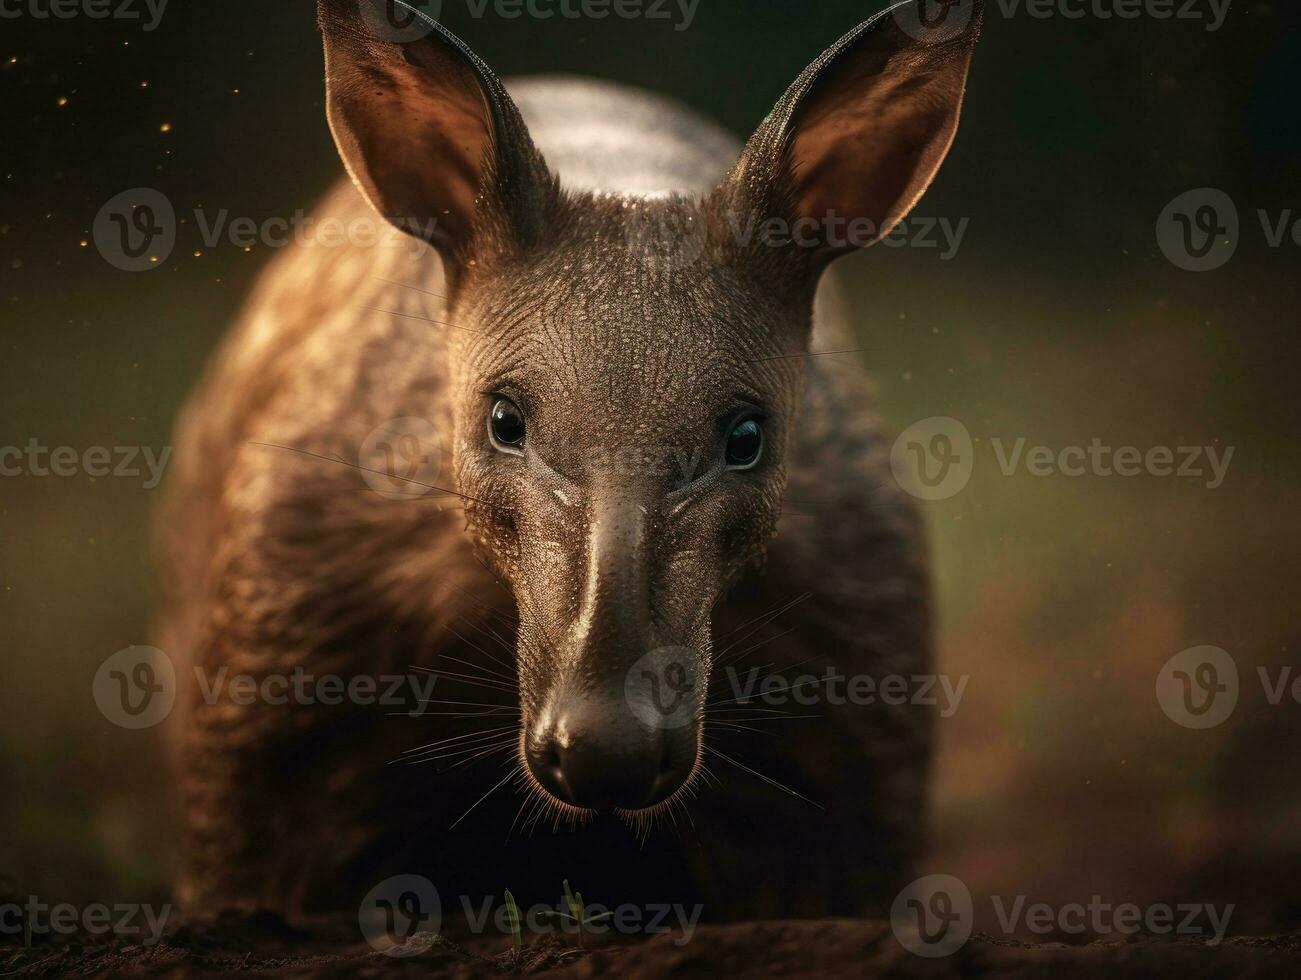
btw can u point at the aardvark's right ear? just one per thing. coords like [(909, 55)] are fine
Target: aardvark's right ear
[(427, 131), (861, 133)]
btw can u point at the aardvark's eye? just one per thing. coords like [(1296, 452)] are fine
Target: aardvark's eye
[(506, 426), (744, 443)]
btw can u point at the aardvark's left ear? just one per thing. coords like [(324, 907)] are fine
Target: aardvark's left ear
[(428, 132), (861, 133)]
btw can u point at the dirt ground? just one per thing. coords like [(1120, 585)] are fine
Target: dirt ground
[(264, 945)]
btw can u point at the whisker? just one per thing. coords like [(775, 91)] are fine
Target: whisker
[(494, 789), (776, 690), (452, 714), (488, 672), (407, 285), (764, 618), (733, 726), (493, 636), (427, 319), (815, 353), (457, 738), (480, 681), (523, 803), (707, 774), (538, 622), (775, 673), (474, 753), (367, 469), (521, 598), (470, 704), (483, 754), (482, 605), (750, 649), (455, 752), (767, 779), (759, 719)]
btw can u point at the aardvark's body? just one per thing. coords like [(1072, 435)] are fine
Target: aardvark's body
[(577, 362)]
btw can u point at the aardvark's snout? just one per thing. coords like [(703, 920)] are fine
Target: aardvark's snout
[(610, 725)]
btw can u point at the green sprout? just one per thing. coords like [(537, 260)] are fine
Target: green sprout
[(577, 912), (512, 916)]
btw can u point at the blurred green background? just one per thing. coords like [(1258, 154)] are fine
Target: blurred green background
[(1058, 320)]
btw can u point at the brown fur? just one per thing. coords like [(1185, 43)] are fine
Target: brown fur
[(278, 557)]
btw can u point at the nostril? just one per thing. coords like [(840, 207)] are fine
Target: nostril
[(677, 759), (549, 762), (544, 762)]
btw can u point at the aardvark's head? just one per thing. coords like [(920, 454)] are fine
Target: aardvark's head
[(627, 372)]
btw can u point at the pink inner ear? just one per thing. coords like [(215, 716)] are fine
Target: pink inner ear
[(414, 133), (869, 136)]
